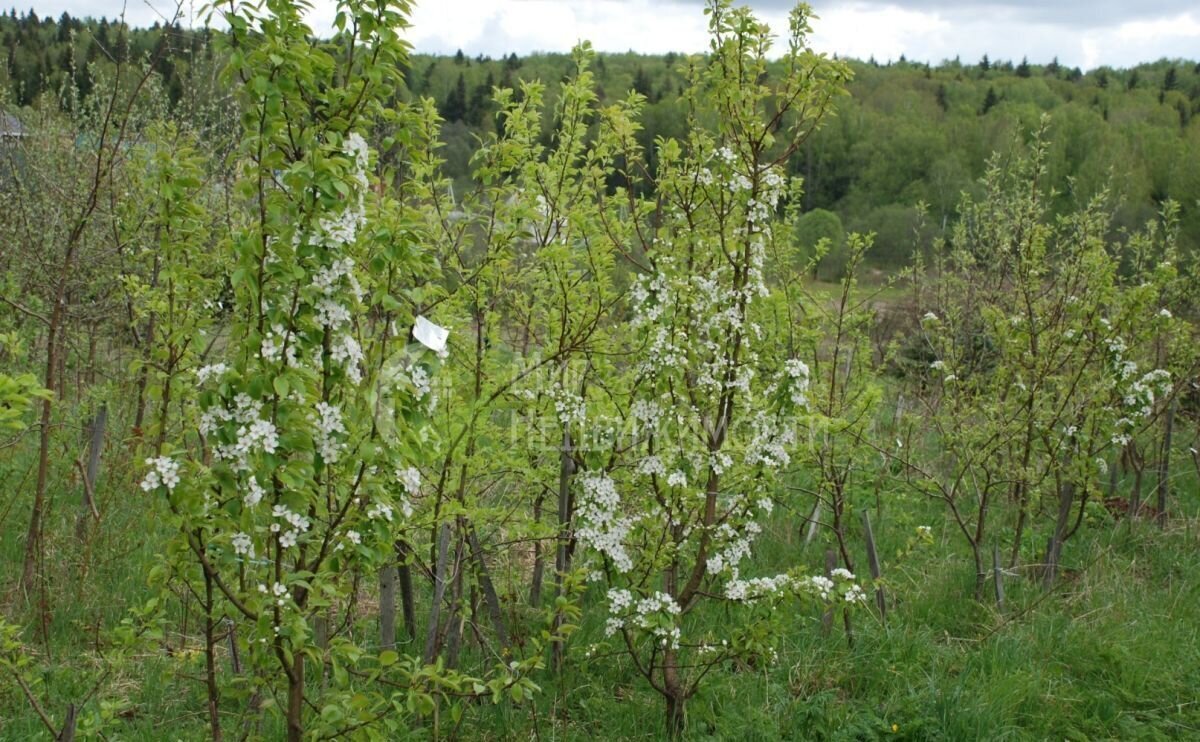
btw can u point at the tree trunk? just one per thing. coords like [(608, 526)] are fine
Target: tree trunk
[(295, 709), (675, 695), (980, 571), (210, 661), (439, 593), (485, 584), (404, 573), (33, 537), (160, 438), (562, 551), (1066, 497), (387, 606), (539, 558)]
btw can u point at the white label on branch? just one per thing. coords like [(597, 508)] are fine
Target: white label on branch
[(430, 335)]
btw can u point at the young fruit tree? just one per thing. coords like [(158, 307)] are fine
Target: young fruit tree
[(706, 416), (1037, 361), (298, 481)]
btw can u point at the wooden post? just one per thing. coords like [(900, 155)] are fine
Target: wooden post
[(998, 575), (235, 659), (68, 729), (813, 519), (404, 574), (1164, 466), (1050, 568), (91, 471), (827, 618), (439, 592), (387, 606), (873, 562)]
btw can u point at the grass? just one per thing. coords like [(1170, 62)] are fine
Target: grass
[(1113, 652)]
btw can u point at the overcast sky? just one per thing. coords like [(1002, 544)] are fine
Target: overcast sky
[(1084, 33)]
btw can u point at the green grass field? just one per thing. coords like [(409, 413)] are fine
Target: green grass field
[(1112, 652)]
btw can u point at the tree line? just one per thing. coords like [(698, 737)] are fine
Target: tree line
[(909, 141)]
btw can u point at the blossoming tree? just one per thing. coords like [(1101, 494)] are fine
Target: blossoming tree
[(527, 267), (301, 479), (668, 515), (1039, 359)]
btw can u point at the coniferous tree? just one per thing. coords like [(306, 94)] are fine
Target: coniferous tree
[(455, 106), (989, 101)]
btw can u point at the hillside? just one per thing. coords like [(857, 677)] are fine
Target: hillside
[(903, 146)]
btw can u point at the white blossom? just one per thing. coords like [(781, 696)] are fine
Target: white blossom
[(329, 423), (855, 594), (757, 588), (331, 314), (242, 545), (602, 525), (214, 371), (254, 493), (346, 352), (410, 478), (164, 472), (380, 510)]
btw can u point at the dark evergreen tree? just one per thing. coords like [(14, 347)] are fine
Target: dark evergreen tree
[(1171, 79), (454, 108), (989, 101)]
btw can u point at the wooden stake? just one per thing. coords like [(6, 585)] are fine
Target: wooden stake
[(873, 561), (998, 576)]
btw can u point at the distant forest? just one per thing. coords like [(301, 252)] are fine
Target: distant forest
[(905, 144)]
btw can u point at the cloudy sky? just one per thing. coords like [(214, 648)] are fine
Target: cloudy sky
[(1084, 33)]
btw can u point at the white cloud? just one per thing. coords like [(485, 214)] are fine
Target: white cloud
[(1078, 33), (502, 26), (1184, 26), (862, 31)]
